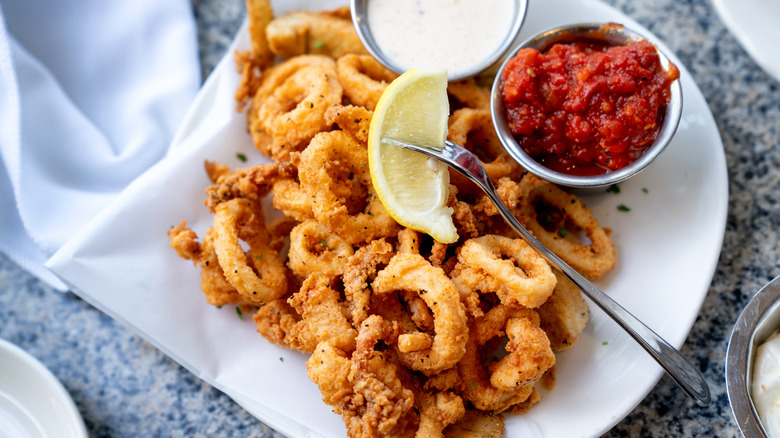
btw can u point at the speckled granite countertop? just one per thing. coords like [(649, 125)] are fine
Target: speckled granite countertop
[(125, 387)]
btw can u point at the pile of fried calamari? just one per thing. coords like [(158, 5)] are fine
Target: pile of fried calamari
[(406, 336)]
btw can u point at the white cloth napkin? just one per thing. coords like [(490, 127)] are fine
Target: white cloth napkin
[(91, 93)]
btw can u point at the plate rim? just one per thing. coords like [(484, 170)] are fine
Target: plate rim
[(72, 421), (746, 39), (616, 416)]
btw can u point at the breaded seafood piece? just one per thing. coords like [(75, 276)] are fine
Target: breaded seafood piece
[(366, 389), (477, 424), (564, 315), (364, 79), (324, 33), (289, 106), (411, 272), (218, 290)]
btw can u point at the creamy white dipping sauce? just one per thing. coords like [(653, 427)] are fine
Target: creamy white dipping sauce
[(456, 35), (766, 384)]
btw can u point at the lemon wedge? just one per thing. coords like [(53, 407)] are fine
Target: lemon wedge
[(413, 188)]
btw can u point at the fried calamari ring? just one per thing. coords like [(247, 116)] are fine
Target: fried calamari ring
[(265, 279), (478, 386), (289, 106), (467, 93), (592, 260), (290, 198), (473, 129), (364, 79), (413, 273), (522, 278), (313, 248), (333, 172)]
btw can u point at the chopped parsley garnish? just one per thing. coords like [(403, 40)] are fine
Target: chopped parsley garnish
[(604, 342), (324, 243), (614, 188), (239, 313), (241, 157), (644, 190), (319, 44), (281, 359), (622, 207), (562, 232)]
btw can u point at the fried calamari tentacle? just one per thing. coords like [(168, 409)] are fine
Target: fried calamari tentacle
[(313, 248), (509, 192), (251, 63), (529, 356), (334, 173), (438, 410), (258, 274), (252, 183), (409, 243), (366, 389), (478, 386), (276, 320), (324, 33), (249, 67), (355, 120), (592, 260), (323, 317), (218, 290), (360, 271), (508, 267), (412, 272), (364, 79), (289, 106)]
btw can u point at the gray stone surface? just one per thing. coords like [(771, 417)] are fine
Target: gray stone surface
[(123, 386)]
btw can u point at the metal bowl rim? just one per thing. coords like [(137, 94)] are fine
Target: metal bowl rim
[(666, 133)]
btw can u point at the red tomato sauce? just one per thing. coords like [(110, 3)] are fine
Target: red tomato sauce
[(586, 108)]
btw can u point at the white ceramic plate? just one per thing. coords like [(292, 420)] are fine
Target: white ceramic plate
[(33, 402), (756, 25), (668, 245)]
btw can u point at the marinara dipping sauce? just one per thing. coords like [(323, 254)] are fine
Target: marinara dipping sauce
[(586, 107)]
